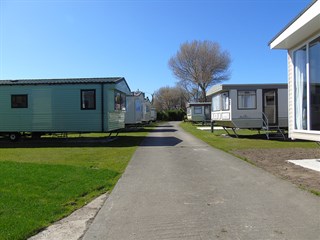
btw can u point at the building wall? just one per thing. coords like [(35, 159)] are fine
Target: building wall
[(283, 108), (134, 109), (115, 118), (130, 110), (290, 95), (146, 115), (57, 108), (196, 117), (243, 113), (50, 108)]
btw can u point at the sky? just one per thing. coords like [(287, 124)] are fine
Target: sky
[(134, 39)]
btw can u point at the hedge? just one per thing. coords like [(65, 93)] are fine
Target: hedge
[(171, 115)]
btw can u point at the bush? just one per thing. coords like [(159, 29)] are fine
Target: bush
[(171, 115)]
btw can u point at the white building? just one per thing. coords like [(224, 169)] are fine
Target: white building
[(301, 38)]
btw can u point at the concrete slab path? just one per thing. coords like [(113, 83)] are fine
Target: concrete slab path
[(178, 187)]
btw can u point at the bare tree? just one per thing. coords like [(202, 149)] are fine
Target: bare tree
[(199, 65), (170, 98)]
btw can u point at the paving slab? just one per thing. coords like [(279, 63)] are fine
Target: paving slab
[(178, 187), (313, 164)]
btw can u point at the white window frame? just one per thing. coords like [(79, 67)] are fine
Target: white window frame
[(255, 99), (225, 101), (218, 101), (306, 44)]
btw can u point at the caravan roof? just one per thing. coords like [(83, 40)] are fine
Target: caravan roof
[(59, 81), (226, 87)]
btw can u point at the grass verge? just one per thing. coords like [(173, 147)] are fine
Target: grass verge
[(45, 180), (247, 139)]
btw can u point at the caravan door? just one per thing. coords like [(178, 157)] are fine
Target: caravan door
[(207, 112), (270, 105)]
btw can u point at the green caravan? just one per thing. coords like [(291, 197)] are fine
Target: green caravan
[(46, 106)]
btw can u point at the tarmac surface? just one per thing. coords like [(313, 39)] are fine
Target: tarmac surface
[(178, 187)]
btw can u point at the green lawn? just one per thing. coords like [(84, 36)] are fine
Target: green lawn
[(44, 180), (247, 139)]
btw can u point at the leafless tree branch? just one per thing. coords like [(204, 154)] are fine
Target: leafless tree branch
[(200, 65)]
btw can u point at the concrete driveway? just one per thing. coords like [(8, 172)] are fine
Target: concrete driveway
[(178, 187)]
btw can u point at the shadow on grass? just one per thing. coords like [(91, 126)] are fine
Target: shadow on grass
[(60, 141)]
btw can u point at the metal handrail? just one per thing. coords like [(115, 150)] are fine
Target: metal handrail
[(265, 123), (265, 120)]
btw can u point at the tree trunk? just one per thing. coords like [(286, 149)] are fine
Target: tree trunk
[(203, 94)]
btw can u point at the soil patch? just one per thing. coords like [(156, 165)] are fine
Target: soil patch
[(275, 162)]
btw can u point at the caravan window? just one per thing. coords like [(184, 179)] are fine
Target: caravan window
[(225, 101), (88, 99), (306, 62), (220, 102), (314, 84), (197, 110), (247, 99), (119, 101), (19, 101), (138, 105), (216, 102)]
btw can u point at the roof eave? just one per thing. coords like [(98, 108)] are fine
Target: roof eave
[(304, 25), (227, 87), (60, 81)]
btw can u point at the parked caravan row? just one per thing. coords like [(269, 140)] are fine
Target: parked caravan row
[(139, 110), (244, 106), (79, 105)]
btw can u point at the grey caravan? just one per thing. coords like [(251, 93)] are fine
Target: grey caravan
[(249, 106), (199, 111)]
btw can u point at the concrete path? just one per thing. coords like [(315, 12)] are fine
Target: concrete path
[(73, 226), (177, 187)]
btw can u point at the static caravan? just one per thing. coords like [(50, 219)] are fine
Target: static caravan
[(153, 114), (134, 109), (146, 108), (301, 39), (62, 105), (249, 106), (199, 111)]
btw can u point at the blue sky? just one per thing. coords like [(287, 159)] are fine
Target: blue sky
[(135, 39)]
